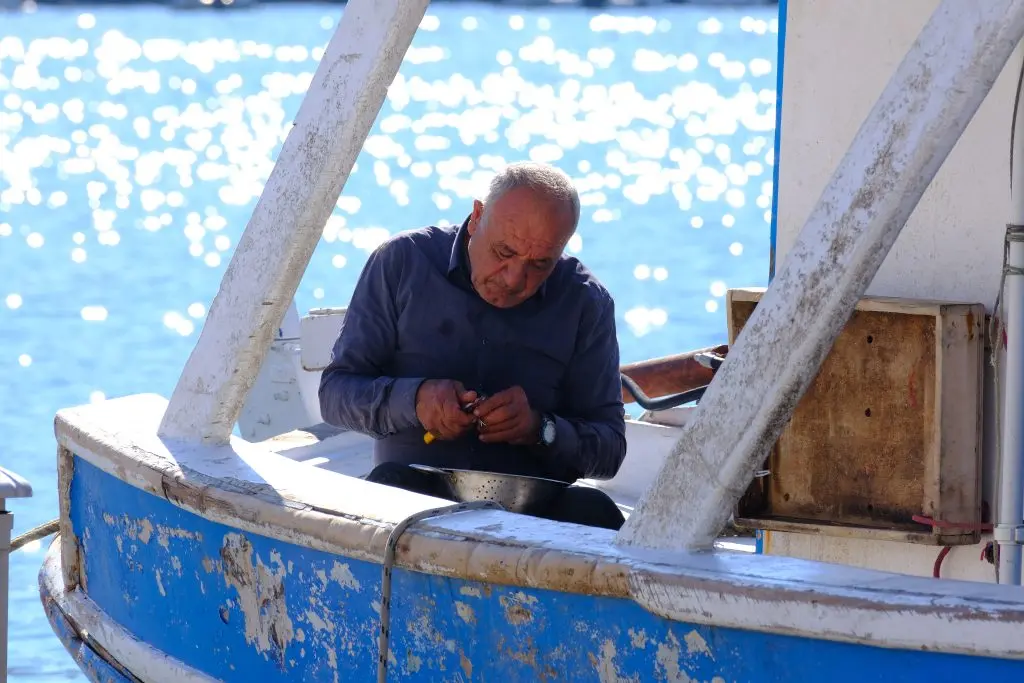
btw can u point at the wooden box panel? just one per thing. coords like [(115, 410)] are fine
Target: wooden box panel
[(889, 429)]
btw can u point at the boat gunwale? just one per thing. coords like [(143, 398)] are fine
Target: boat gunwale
[(719, 588)]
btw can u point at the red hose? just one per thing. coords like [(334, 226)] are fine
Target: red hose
[(936, 569)]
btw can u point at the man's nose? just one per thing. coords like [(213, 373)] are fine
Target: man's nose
[(515, 277)]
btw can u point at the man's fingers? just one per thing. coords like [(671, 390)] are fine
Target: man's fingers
[(500, 416), (454, 413), (467, 397), (504, 435), (509, 431), (453, 389), (488, 406), (451, 429), (453, 422)]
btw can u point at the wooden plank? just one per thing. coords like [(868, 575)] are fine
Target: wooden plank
[(347, 91), (880, 304), (922, 537), (911, 129), (959, 429)]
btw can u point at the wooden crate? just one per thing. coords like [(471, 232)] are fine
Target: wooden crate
[(889, 429)]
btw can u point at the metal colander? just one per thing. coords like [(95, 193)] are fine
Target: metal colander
[(515, 493)]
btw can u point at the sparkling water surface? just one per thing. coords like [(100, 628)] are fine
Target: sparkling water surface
[(135, 140)]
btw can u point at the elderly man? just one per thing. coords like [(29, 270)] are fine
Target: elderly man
[(490, 309)]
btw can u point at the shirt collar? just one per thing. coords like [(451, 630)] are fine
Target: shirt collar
[(458, 262)]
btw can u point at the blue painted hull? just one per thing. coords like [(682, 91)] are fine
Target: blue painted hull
[(239, 606), (96, 667)]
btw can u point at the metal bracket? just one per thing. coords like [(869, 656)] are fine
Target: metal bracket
[(1006, 534)]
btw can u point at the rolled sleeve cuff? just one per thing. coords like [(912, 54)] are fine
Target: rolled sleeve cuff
[(402, 403)]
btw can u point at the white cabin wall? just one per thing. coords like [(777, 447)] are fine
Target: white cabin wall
[(838, 58)]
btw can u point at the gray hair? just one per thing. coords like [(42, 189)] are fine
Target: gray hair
[(552, 182)]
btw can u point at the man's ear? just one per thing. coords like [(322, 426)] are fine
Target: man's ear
[(475, 217)]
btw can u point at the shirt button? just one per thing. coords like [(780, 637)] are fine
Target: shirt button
[(484, 341)]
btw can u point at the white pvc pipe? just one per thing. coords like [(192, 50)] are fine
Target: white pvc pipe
[(1010, 511), (924, 109)]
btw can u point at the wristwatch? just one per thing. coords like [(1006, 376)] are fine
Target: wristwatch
[(548, 430)]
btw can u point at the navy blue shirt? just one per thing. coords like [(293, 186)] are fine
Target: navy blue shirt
[(414, 315)]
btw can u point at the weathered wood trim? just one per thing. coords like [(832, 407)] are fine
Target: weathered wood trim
[(877, 304), (253, 489), (962, 367), (923, 537), (69, 546)]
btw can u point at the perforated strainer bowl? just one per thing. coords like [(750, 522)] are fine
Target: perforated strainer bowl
[(515, 493)]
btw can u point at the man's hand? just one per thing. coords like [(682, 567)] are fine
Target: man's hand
[(439, 408), (508, 418)]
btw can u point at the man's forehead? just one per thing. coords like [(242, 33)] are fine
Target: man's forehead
[(530, 220)]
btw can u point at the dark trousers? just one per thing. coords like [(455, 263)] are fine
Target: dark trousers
[(577, 504)]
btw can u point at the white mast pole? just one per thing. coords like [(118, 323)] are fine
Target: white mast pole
[(335, 117)]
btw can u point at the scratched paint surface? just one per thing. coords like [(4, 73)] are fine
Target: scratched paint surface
[(239, 606)]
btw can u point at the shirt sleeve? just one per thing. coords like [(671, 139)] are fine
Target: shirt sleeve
[(590, 436), (355, 392)]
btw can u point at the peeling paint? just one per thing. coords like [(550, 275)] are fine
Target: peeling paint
[(470, 591), (414, 664), (341, 574), (607, 670), (467, 666), (164, 534), (318, 623), (261, 596), (695, 643), (517, 608), (638, 638), (332, 661), (160, 583), (140, 530), (465, 612), (667, 659)]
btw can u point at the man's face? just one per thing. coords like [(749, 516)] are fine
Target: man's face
[(515, 243)]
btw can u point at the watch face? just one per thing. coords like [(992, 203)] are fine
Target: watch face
[(548, 432)]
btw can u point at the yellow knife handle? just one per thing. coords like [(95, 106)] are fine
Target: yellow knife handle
[(428, 437)]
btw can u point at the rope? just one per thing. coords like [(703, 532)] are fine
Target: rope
[(35, 534), (1014, 233), (389, 561)]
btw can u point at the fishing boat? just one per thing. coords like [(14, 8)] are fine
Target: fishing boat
[(854, 424)]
